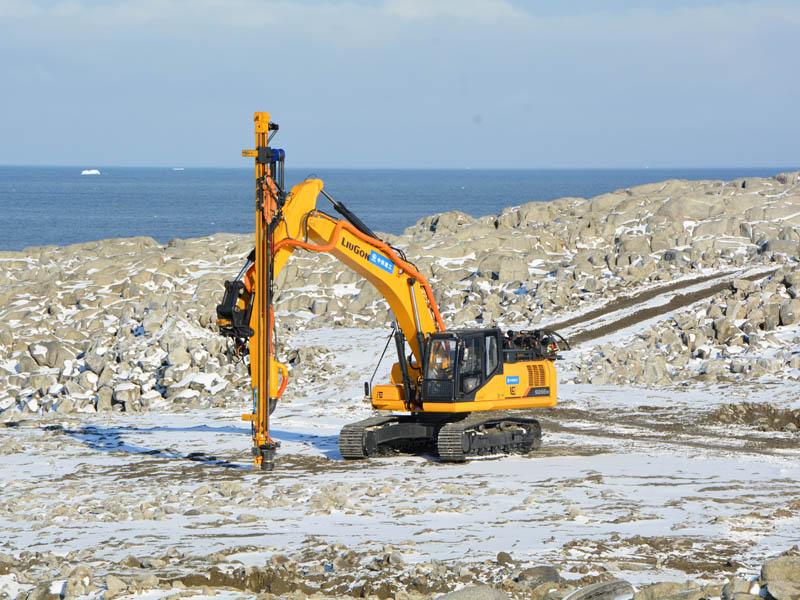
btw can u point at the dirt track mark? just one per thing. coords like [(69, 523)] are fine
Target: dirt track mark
[(677, 302)]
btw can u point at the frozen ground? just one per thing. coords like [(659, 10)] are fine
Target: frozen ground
[(643, 484)]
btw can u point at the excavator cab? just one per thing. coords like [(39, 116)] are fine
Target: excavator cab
[(458, 363)]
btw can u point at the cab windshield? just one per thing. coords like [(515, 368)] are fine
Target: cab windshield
[(441, 360)]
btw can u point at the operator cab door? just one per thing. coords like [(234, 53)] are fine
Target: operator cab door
[(479, 361), (457, 366), (439, 382)]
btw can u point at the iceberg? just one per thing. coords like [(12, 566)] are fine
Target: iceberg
[(90, 172)]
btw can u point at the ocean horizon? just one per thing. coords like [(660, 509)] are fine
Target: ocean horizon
[(60, 206)]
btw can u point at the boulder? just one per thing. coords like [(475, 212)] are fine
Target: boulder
[(535, 576), (126, 392), (604, 590), (724, 329), (783, 568), (665, 590), (476, 592), (771, 315), (787, 312), (789, 247), (178, 356), (782, 590), (684, 207), (65, 406), (743, 285), (735, 586), (50, 354), (105, 396), (95, 362)]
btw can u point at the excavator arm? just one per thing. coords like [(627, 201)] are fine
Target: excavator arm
[(405, 289)]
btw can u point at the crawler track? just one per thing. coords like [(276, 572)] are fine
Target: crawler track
[(454, 438), (478, 436)]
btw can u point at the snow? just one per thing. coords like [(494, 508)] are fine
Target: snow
[(583, 487)]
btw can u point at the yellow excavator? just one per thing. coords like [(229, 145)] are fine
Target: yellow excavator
[(455, 389)]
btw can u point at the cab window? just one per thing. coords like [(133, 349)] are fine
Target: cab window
[(470, 366), (491, 354), (441, 360)]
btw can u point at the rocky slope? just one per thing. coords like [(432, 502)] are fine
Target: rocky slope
[(129, 323)]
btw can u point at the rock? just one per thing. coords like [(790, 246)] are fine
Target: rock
[(126, 392), (724, 329), (782, 590), (114, 587), (535, 576), (735, 586), (153, 321), (26, 364), (78, 583), (146, 582), (789, 247), (783, 568), (65, 405), (476, 592), (153, 563), (44, 591), (787, 312), (605, 590), (50, 354), (95, 362), (664, 590), (179, 357), (743, 285), (131, 561), (771, 316), (105, 395)]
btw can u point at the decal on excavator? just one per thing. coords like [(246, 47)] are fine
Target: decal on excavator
[(377, 259), (381, 261)]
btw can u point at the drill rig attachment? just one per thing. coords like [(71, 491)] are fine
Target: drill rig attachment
[(254, 334)]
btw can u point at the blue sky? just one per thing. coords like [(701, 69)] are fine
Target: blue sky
[(402, 83)]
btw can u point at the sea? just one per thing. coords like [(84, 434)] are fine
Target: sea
[(60, 205)]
